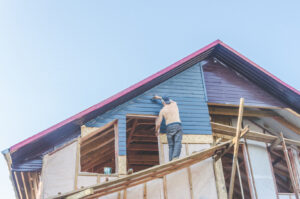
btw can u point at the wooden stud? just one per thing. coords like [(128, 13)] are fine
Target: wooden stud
[(251, 135), (247, 157), (236, 147), (219, 176), (145, 191), (18, 185), (24, 185), (214, 110), (294, 167), (189, 173), (77, 163), (131, 132), (92, 139), (165, 187), (243, 133), (98, 146), (30, 181), (116, 149), (125, 194), (240, 179), (122, 159), (288, 162), (35, 183)]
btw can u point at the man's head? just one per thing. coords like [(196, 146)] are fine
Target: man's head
[(166, 99)]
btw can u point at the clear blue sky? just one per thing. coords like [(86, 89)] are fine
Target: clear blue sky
[(57, 57)]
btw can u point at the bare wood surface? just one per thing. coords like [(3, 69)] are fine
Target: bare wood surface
[(288, 162), (18, 185), (236, 147), (77, 163), (108, 125), (145, 191), (131, 132), (251, 135), (215, 110), (240, 179), (24, 185)]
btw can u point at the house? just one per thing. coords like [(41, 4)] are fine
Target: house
[(68, 159)]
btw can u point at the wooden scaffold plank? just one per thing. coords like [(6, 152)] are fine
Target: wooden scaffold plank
[(236, 147)]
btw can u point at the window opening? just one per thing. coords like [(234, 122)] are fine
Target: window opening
[(142, 144), (281, 172), (97, 150)]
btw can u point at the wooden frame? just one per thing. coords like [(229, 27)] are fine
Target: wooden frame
[(190, 139), (89, 135)]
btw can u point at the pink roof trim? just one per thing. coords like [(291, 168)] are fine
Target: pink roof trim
[(139, 84), (111, 99)]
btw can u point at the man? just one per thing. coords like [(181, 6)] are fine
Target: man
[(170, 113)]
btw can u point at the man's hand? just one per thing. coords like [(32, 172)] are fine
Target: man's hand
[(157, 97)]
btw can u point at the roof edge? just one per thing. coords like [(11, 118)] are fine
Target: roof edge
[(112, 98), (260, 68)]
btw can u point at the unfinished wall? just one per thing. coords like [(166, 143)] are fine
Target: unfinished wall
[(261, 167), (186, 89), (58, 173), (201, 181)]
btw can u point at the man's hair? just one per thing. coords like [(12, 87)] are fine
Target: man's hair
[(166, 99)]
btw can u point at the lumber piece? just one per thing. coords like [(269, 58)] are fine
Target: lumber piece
[(18, 184), (215, 110), (287, 124), (81, 194), (24, 185), (145, 191), (85, 152), (275, 143), (98, 130), (288, 162), (240, 179), (251, 135), (139, 116), (189, 173), (236, 147), (131, 132), (154, 172), (77, 163), (243, 133)]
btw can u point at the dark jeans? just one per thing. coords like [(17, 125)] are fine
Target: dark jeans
[(174, 136)]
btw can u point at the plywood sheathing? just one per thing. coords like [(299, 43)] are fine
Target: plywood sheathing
[(153, 172)]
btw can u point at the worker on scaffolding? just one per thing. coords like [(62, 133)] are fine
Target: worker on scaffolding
[(170, 113)]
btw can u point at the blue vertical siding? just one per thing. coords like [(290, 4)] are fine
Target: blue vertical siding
[(186, 88)]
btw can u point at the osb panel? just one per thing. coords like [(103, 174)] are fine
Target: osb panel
[(87, 130), (122, 164), (190, 139)]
